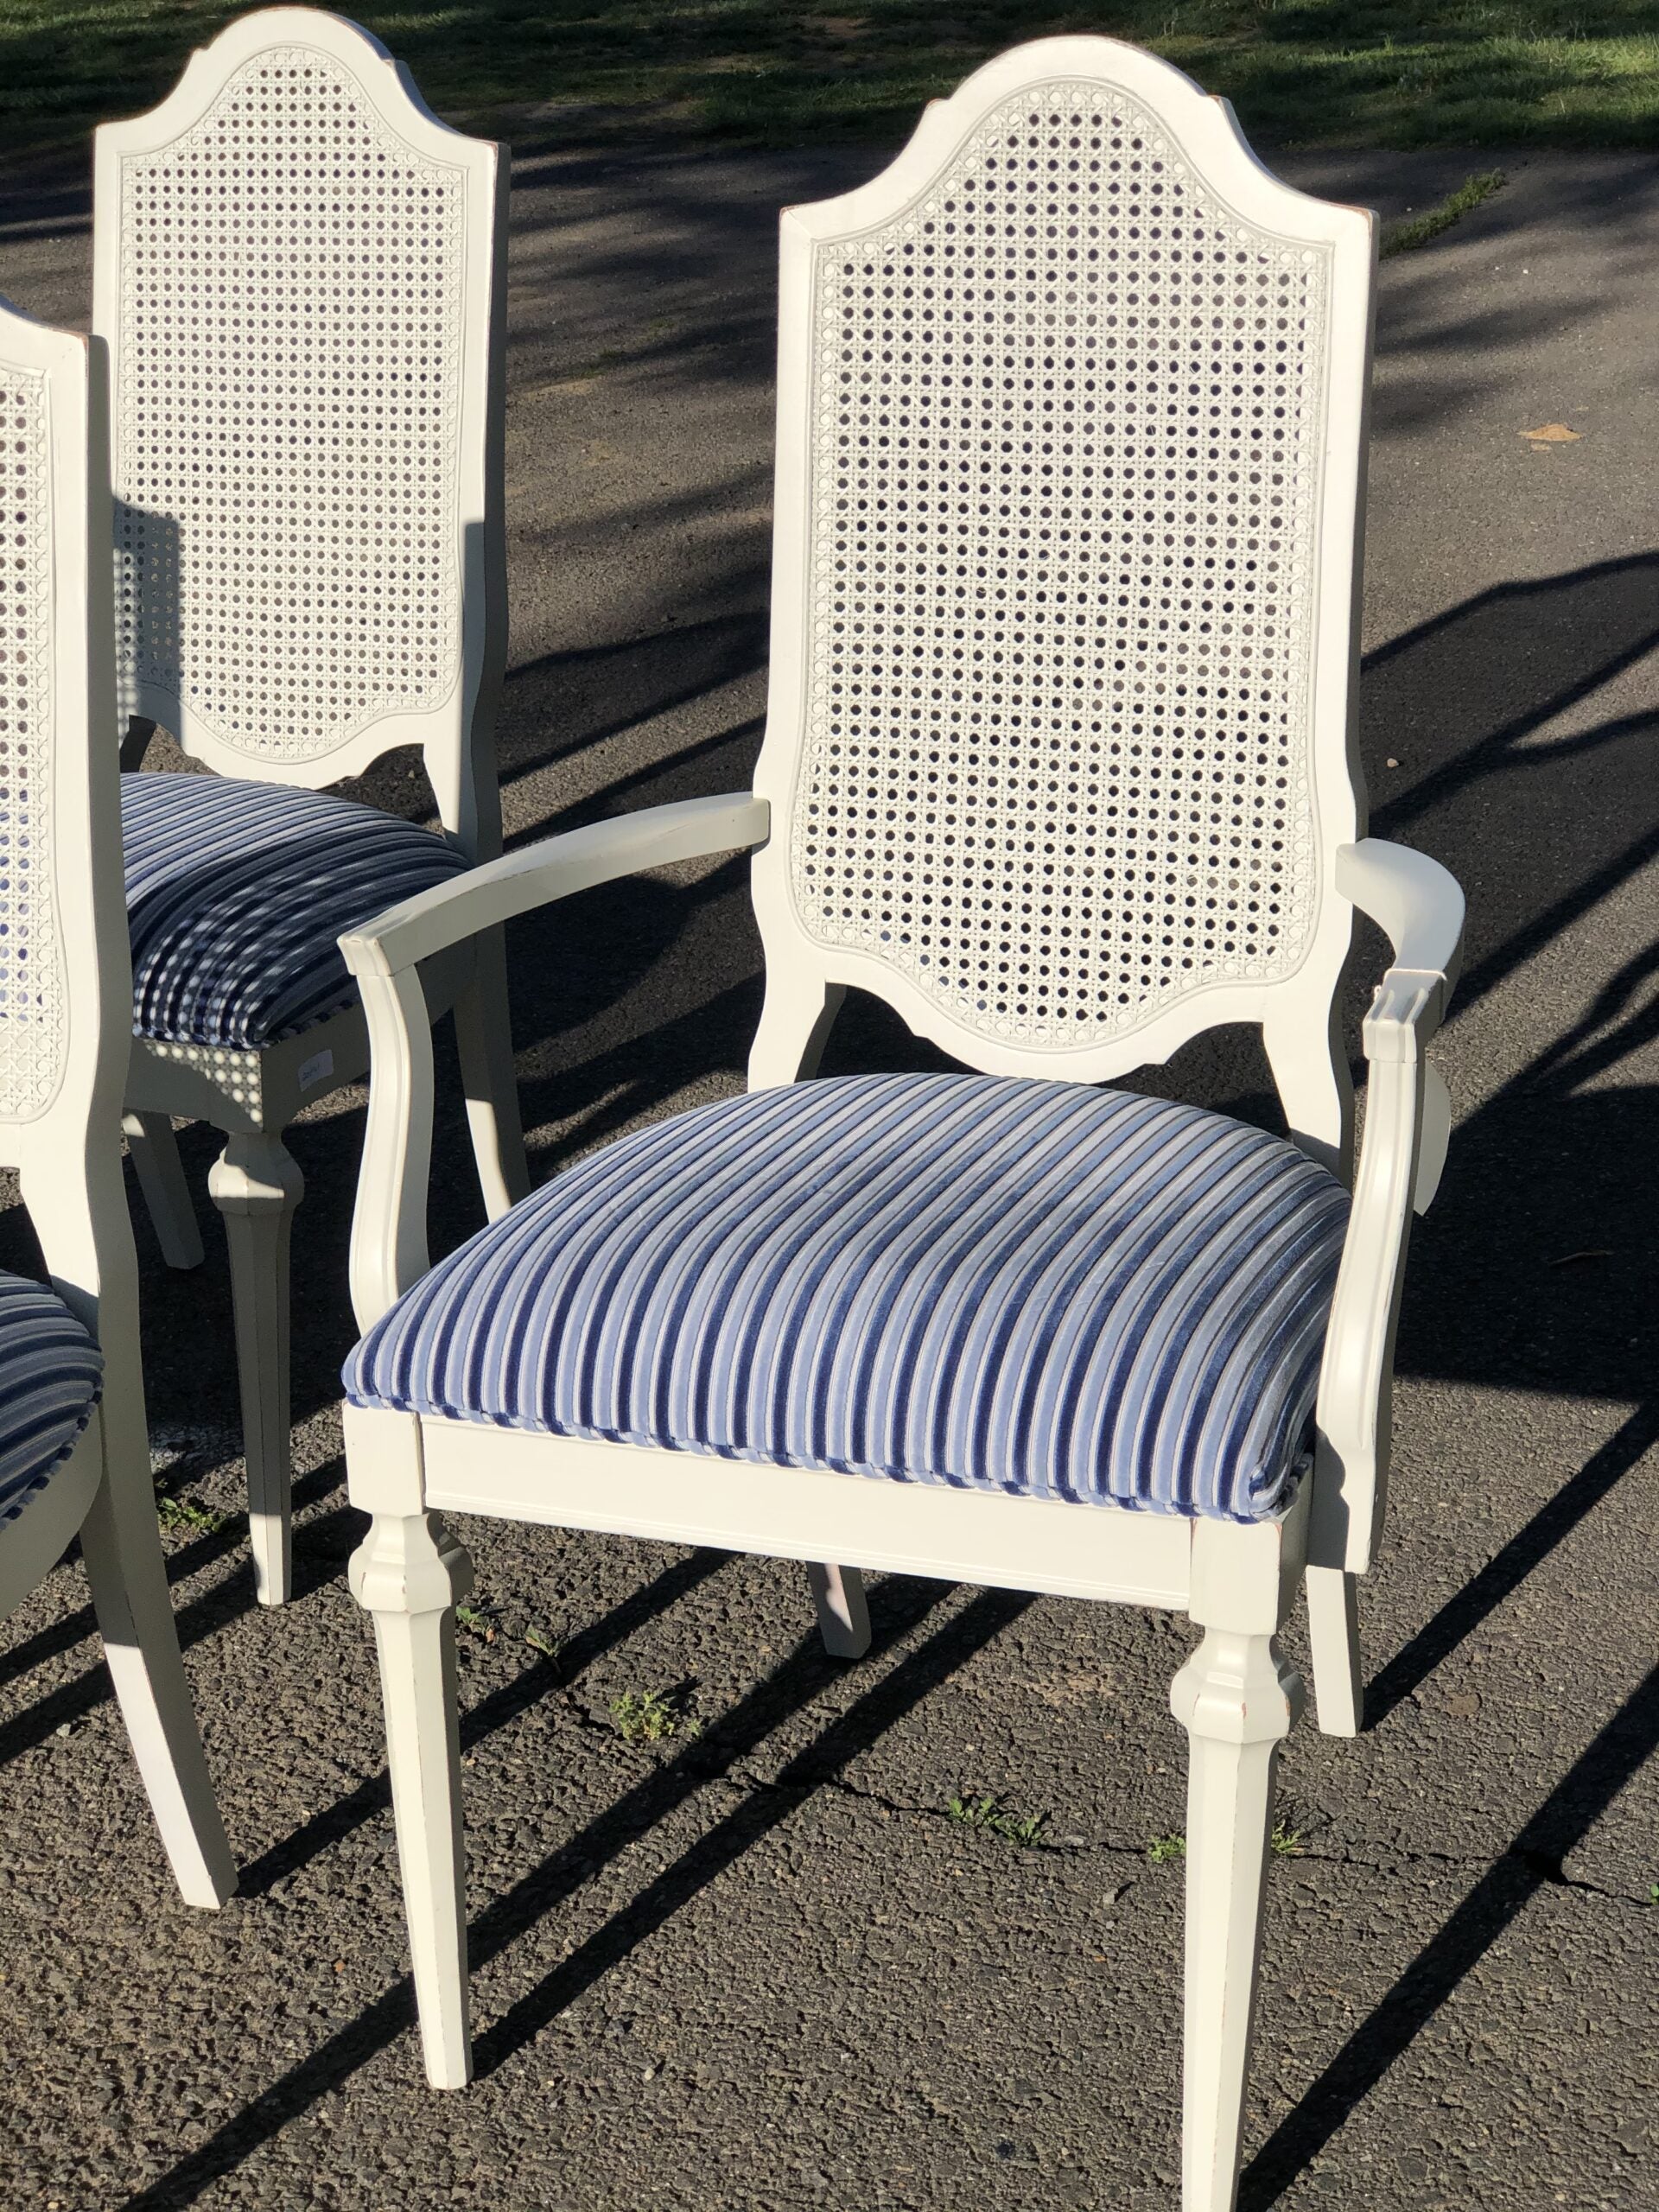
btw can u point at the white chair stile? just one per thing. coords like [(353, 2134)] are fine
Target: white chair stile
[(300, 274), (74, 1457), (1059, 763)]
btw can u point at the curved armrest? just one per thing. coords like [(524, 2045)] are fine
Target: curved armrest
[(556, 867), (1407, 1121), (389, 1225)]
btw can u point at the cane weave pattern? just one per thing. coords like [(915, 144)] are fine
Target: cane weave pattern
[(32, 1025), (292, 300), (1067, 417)]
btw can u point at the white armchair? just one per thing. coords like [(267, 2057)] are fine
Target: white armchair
[(1059, 763)]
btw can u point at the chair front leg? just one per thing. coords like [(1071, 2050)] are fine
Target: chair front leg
[(410, 1573), (256, 1184), (155, 1154), (1237, 1699), (1333, 1642), (484, 1042), (122, 1547)]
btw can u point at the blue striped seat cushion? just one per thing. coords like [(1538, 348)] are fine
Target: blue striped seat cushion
[(1025, 1287), (236, 895), (51, 1373)]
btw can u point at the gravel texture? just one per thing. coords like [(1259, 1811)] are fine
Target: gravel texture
[(759, 1965)]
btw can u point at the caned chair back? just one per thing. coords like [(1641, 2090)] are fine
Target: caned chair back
[(300, 275), (1070, 449)]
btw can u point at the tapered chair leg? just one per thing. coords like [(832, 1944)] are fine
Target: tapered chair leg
[(1237, 1700), (256, 1184), (843, 1616), (409, 1574), (1333, 1642), (484, 1041), (155, 1152), (123, 1552)]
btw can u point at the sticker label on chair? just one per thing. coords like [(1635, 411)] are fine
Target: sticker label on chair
[(315, 1068)]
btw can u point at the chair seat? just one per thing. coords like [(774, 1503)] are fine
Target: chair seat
[(1032, 1287), (238, 892), (51, 1372)]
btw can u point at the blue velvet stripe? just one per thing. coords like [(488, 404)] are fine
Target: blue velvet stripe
[(1035, 1287), (51, 1372), (238, 892)]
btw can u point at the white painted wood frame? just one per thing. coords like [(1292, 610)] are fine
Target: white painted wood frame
[(179, 199), (1236, 1696), (65, 1030)]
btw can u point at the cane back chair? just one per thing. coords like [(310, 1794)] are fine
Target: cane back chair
[(1059, 763), (74, 1450), (300, 276)]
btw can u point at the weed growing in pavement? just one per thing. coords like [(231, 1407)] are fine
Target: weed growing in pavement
[(184, 1513), (1163, 1850), (652, 1716), (997, 1818), (475, 1619), (1286, 1841), (1400, 238)]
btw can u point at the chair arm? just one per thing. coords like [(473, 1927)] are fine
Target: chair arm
[(555, 868), (389, 1251), (1407, 1121)]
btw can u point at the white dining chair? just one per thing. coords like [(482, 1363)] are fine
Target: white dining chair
[(1060, 764), (74, 1450), (300, 276)]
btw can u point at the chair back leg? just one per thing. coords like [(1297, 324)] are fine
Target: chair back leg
[(410, 1573), (484, 1042), (843, 1616), (1333, 1640), (1237, 1699), (256, 1184), (122, 1547), (155, 1152)]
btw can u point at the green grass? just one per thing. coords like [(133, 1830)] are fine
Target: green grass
[(996, 1818), (1164, 1850), (1400, 238), (1353, 73)]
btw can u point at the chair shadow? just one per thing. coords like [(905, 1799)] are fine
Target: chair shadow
[(899, 1605), (1532, 1861)]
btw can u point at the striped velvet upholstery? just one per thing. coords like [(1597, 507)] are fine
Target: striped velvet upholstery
[(50, 1375), (1029, 1286), (236, 893)]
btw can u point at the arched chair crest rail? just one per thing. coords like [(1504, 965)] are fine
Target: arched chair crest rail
[(1059, 763), (74, 1450), (299, 272)]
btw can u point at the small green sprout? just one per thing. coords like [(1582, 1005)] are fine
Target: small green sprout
[(1164, 1850), (476, 1621), (544, 1644), (1286, 1841)]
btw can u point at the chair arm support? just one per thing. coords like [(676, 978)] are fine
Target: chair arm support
[(1407, 1120), (1413, 897), (389, 1250), (555, 868)]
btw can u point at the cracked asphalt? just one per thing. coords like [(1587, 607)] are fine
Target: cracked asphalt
[(759, 1965)]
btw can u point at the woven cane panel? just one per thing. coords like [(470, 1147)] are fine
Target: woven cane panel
[(1067, 419), (32, 1027), (292, 296)]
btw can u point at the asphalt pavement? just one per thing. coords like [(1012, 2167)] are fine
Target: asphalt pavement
[(760, 1965)]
